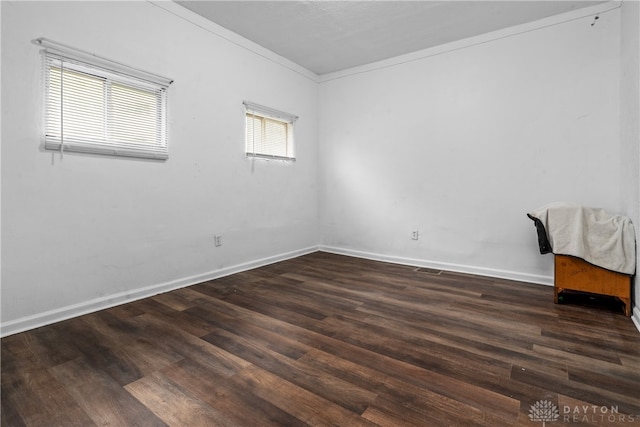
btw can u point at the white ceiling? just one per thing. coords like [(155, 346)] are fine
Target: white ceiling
[(328, 36)]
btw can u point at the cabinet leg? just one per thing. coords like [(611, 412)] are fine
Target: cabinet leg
[(556, 291), (627, 306)]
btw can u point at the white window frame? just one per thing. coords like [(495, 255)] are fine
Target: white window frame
[(61, 59), (268, 114)]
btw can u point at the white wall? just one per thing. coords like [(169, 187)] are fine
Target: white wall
[(630, 121), (80, 232), (461, 144), (458, 142)]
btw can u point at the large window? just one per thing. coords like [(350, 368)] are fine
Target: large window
[(269, 132), (100, 107)]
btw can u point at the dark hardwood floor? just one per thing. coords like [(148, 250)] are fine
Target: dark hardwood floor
[(323, 340)]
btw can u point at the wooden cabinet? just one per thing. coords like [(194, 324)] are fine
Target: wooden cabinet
[(576, 274)]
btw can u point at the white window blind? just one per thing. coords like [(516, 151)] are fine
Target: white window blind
[(97, 106), (269, 132)]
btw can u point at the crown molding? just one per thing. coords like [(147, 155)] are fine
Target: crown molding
[(231, 37), (581, 13)]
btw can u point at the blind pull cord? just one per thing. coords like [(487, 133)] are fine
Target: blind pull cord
[(61, 110), (253, 141)]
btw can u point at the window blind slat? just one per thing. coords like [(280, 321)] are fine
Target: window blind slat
[(266, 135), (94, 110)]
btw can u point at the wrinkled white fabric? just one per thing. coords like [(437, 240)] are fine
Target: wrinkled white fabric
[(592, 234)]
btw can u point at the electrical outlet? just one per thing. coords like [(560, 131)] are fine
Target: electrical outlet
[(414, 235), (217, 240)]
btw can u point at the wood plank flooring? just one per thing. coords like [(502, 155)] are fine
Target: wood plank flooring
[(327, 340)]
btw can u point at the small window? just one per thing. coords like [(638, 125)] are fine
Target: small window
[(100, 107), (269, 133)]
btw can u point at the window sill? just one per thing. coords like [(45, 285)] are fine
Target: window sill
[(267, 157)]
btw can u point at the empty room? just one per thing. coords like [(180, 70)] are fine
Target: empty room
[(282, 213)]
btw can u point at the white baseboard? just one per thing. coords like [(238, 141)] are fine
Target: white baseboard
[(635, 317), (85, 307), (74, 310), (458, 268)]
